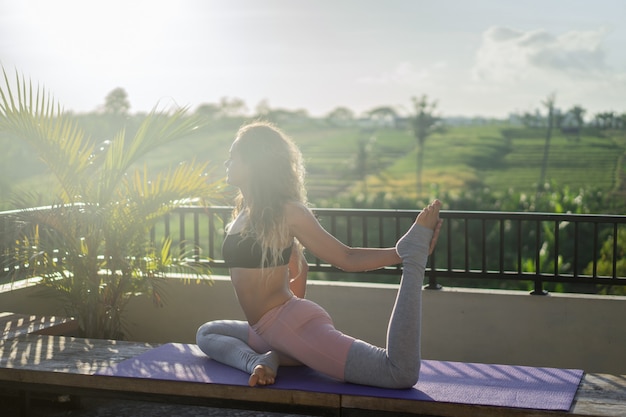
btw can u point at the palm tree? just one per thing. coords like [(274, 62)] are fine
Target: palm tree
[(605, 120), (579, 115), (424, 123), (549, 104), (365, 160), (90, 246)]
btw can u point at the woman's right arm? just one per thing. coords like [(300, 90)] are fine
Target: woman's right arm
[(310, 233)]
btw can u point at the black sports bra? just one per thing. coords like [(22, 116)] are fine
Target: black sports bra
[(246, 252)]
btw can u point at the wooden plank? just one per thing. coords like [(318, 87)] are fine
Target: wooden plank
[(386, 407), (356, 406), (15, 325), (598, 395)]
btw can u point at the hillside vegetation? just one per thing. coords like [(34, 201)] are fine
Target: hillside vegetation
[(503, 158), (352, 160)]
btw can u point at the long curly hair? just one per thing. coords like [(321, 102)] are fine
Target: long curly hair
[(276, 177)]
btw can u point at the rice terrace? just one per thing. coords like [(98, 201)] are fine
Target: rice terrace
[(361, 163)]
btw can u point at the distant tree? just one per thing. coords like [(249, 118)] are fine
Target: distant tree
[(263, 109), (232, 107), (622, 121), (528, 119), (579, 115), (575, 121), (605, 120), (365, 161), (384, 115), (424, 123), (265, 112), (557, 118), (532, 119), (300, 114), (613, 120), (116, 102), (283, 116), (340, 116), (549, 104), (208, 111)]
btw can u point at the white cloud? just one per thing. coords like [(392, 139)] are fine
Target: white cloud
[(516, 69), (508, 55)]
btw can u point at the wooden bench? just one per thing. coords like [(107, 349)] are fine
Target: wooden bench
[(14, 325), (67, 365)]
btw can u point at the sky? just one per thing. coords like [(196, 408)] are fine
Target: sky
[(484, 58)]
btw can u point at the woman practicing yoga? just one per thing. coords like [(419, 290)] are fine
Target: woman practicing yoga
[(263, 249)]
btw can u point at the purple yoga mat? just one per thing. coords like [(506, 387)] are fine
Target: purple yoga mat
[(453, 382)]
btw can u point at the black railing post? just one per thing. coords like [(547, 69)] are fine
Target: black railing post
[(538, 290), (432, 275)]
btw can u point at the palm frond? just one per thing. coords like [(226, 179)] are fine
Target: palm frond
[(186, 184), (56, 139)]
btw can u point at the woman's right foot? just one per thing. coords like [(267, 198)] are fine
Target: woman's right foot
[(422, 237), (429, 217), (262, 375)]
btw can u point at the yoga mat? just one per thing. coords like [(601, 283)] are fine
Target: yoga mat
[(453, 382)]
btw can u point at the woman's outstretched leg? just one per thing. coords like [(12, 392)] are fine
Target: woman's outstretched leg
[(398, 365), (226, 341)]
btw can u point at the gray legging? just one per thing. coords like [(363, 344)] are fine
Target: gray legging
[(397, 366)]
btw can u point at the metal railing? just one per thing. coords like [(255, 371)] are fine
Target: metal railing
[(581, 251), (484, 249)]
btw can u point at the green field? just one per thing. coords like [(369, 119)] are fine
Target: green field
[(496, 157), (463, 158)]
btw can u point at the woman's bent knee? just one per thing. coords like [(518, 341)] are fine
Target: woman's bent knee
[(203, 330), (209, 328), (232, 328)]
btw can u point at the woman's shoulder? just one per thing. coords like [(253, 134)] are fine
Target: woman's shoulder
[(296, 211), (297, 206)]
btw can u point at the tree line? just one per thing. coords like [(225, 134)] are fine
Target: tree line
[(423, 120)]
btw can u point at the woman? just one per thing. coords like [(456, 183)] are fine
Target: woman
[(263, 250)]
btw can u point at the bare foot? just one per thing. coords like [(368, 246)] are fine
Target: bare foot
[(429, 217), (262, 375)]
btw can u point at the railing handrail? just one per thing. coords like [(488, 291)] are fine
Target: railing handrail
[(452, 258)]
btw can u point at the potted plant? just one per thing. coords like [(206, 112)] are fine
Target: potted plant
[(90, 243)]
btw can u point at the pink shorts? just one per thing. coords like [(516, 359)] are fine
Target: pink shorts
[(304, 331)]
